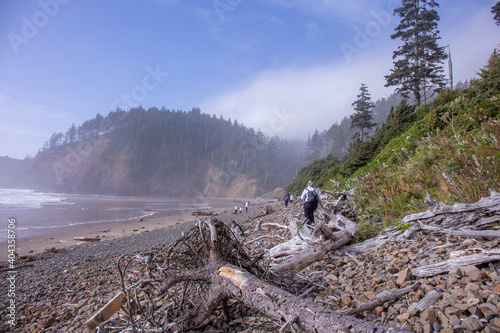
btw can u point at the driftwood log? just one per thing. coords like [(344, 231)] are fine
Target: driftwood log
[(476, 216), (207, 271), (470, 220)]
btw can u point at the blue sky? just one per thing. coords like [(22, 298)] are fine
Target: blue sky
[(286, 67)]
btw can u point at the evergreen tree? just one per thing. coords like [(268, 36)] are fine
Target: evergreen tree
[(419, 61), (496, 11), (363, 117)]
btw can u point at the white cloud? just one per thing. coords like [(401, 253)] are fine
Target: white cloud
[(292, 102)]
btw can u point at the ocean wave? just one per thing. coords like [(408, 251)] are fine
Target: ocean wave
[(24, 198)]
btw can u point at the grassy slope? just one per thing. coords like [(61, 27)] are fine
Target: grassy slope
[(450, 147)]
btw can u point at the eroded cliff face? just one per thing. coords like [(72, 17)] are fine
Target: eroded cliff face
[(219, 183), (91, 167)]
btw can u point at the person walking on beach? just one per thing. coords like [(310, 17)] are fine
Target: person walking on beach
[(311, 199), (246, 207), (236, 209), (286, 199)]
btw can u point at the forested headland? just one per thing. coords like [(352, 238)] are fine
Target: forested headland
[(158, 152)]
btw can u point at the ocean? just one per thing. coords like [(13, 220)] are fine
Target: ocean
[(43, 214)]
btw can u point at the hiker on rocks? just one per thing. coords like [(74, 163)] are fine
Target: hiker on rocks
[(286, 199), (311, 199)]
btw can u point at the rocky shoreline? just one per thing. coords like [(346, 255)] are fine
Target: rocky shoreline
[(59, 291)]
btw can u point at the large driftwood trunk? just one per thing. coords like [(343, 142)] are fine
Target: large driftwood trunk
[(284, 306), (311, 254)]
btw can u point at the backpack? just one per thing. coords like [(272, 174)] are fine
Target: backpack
[(312, 196)]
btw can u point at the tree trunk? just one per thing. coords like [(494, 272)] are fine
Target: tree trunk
[(312, 254), (282, 306)]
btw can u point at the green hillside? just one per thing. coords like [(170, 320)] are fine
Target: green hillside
[(449, 147)]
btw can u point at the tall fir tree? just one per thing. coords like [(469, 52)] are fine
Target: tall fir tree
[(418, 63), (362, 119), (496, 12)]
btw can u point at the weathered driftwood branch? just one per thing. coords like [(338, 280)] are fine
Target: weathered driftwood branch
[(106, 312), (429, 300), (312, 254), (372, 304), (460, 216), (456, 220), (277, 225), (202, 213), (448, 265), (317, 241), (472, 233)]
